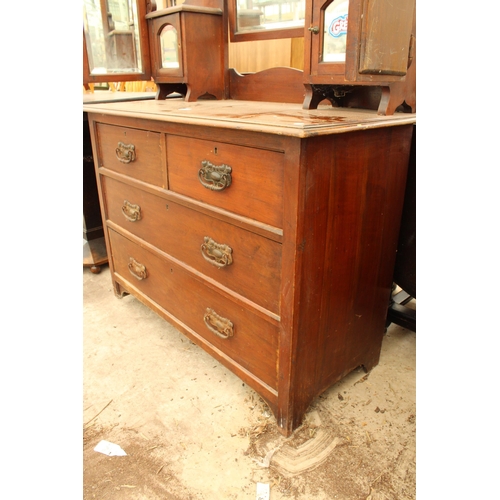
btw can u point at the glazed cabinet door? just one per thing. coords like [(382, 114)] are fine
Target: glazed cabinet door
[(326, 38), (115, 41), (358, 41)]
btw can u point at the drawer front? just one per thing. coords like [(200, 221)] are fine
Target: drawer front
[(245, 337), (136, 153), (244, 180), (243, 261)]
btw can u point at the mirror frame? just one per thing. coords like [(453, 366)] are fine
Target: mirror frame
[(143, 7), (271, 34)]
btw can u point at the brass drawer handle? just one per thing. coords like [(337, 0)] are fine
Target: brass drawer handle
[(217, 254), (214, 177), (218, 325), (125, 152), (137, 270), (131, 212)]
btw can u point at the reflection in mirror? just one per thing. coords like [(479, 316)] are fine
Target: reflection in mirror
[(112, 36), (169, 47), (335, 31), (259, 15)]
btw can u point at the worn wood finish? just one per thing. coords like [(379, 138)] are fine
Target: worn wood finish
[(377, 37), (337, 202), (267, 125), (388, 37), (380, 49), (404, 92)]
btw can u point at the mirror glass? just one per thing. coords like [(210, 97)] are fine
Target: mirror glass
[(169, 47), (112, 36), (335, 31), (262, 15)]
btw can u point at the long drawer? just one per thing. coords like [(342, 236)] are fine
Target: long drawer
[(136, 153), (246, 337), (246, 181), (243, 261)]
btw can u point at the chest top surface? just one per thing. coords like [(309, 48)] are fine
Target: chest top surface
[(278, 118), (103, 97)]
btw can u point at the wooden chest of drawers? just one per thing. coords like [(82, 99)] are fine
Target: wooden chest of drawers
[(264, 232)]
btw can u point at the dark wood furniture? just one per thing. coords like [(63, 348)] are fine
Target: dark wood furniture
[(260, 222), (188, 50), (94, 246), (366, 46), (265, 232)]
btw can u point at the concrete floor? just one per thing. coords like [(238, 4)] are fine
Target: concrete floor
[(192, 430)]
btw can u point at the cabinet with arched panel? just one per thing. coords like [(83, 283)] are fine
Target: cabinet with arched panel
[(187, 51)]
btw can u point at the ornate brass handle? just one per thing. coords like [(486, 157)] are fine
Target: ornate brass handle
[(131, 212), (125, 152), (218, 325), (137, 270), (218, 254), (214, 177), (314, 30)]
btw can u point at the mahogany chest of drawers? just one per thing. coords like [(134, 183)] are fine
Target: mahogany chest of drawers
[(265, 233)]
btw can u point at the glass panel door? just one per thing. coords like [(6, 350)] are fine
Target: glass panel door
[(112, 37), (335, 31)]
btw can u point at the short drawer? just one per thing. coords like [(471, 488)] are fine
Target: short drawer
[(135, 153), (244, 336), (243, 261), (244, 180)]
